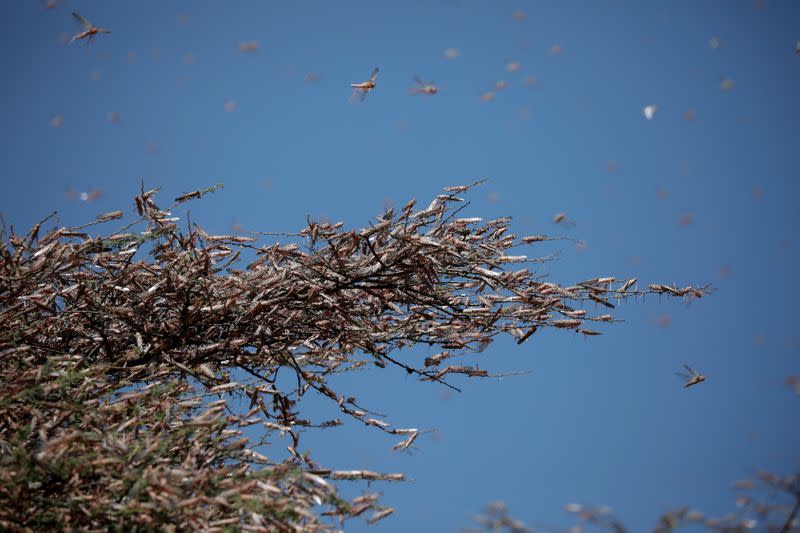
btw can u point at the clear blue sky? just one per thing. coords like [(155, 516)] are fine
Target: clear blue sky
[(601, 420)]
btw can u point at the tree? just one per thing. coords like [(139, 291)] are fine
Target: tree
[(127, 382)]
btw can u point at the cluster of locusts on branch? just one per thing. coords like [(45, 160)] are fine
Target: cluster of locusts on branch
[(83, 318)]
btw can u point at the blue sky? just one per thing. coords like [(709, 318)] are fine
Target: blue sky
[(601, 420)]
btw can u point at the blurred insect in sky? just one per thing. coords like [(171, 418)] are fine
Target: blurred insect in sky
[(692, 378), (797, 48), (89, 29), (793, 382), (561, 218), (424, 87), (248, 46), (650, 111), (360, 90), (452, 53), (726, 84)]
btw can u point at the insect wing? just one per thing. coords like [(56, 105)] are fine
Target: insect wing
[(691, 371), (358, 94), (82, 21), (374, 74)]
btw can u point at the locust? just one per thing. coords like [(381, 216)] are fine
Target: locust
[(561, 218), (692, 378), (360, 90), (424, 87), (89, 29)]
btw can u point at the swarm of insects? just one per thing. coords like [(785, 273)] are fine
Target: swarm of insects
[(89, 29), (360, 90), (89, 322)]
